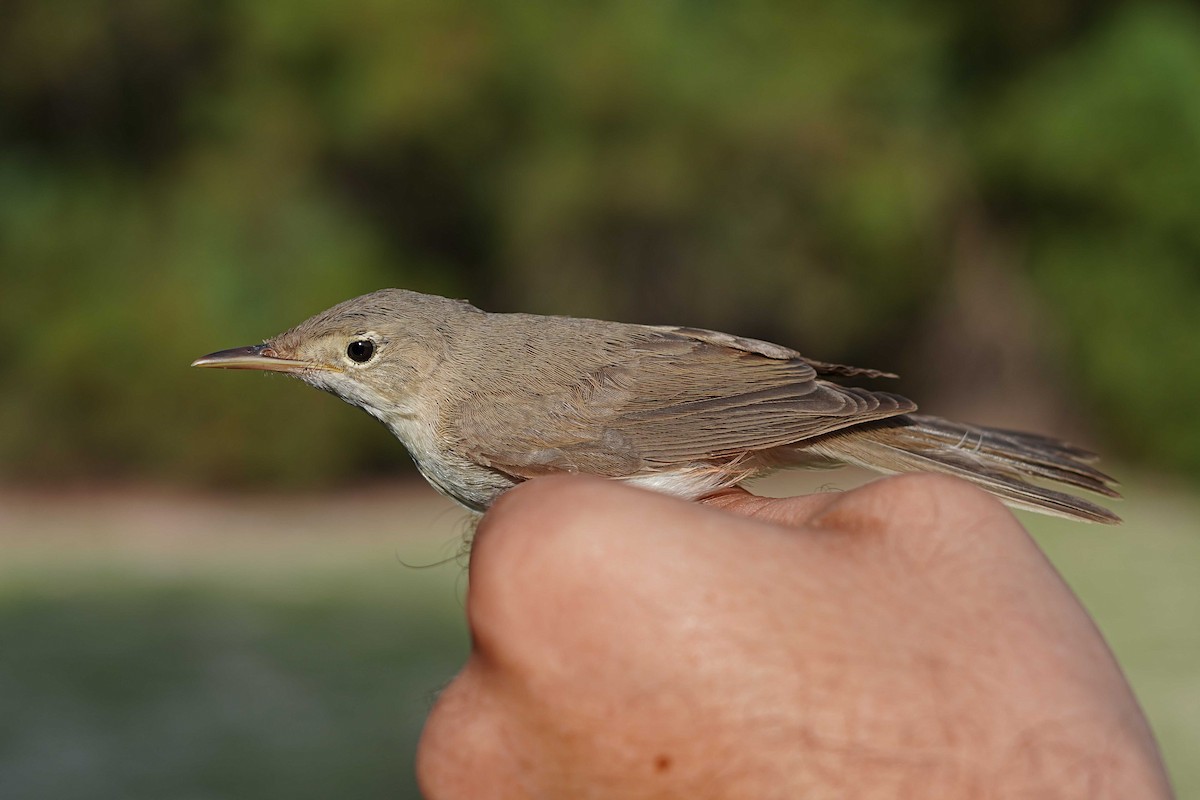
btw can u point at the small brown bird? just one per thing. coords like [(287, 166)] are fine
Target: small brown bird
[(484, 401)]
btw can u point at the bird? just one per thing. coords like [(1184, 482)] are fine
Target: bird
[(483, 401)]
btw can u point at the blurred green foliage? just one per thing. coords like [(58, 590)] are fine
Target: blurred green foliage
[(180, 177), (126, 687)]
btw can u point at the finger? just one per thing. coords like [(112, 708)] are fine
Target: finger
[(554, 540), (462, 753), (794, 512)]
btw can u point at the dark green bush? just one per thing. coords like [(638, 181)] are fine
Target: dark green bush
[(177, 178)]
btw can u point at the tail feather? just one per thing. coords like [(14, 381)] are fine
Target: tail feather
[(1002, 462), (1025, 453)]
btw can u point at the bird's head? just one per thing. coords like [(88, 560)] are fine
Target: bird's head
[(374, 351)]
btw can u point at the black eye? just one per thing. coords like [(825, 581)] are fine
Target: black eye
[(361, 350)]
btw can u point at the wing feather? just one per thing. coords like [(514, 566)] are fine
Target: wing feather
[(663, 396)]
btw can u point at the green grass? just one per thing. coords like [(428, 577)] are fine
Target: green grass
[(157, 690), (164, 647)]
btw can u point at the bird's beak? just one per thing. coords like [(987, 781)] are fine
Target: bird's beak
[(259, 356)]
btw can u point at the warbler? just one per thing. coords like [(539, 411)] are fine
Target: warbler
[(483, 401)]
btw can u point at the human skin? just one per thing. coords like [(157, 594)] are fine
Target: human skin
[(906, 639)]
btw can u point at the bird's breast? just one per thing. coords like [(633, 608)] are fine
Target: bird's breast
[(459, 478)]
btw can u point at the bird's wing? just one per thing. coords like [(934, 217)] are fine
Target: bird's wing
[(771, 351), (663, 396)]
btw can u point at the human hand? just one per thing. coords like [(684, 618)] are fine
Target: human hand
[(903, 639)]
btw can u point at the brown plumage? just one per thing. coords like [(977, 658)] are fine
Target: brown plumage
[(483, 401)]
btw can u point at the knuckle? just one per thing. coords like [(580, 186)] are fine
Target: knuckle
[(538, 507), (928, 500), (530, 550), (920, 519)]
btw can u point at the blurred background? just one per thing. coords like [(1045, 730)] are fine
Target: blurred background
[(206, 586)]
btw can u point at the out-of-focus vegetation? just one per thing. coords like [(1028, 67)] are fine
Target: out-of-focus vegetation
[(157, 646), (128, 687), (181, 177)]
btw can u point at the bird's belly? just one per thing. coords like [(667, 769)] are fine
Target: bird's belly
[(477, 487), (691, 481)]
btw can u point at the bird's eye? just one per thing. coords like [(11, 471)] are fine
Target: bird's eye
[(361, 350)]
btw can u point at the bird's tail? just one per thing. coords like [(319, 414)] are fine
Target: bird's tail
[(1003, 462)]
